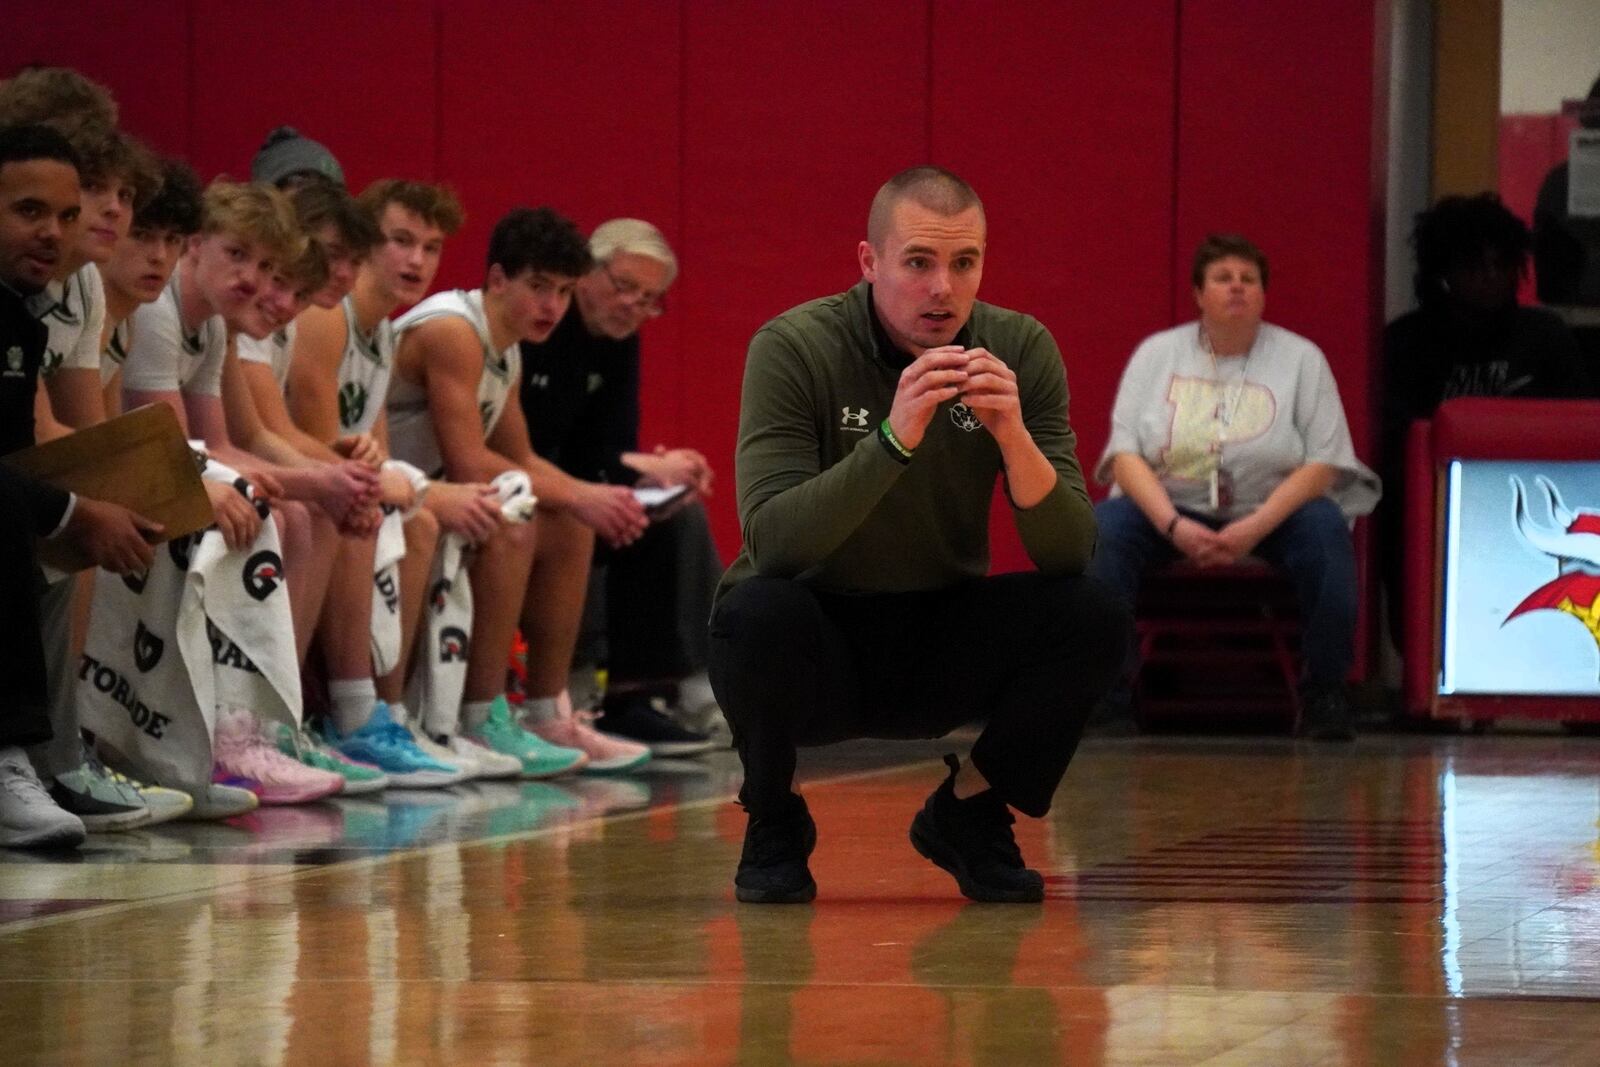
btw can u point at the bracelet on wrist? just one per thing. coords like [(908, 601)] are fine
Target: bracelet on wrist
[(1173, 525), (896, 449)]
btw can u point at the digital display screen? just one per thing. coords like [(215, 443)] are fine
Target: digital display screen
[(1521, 579)]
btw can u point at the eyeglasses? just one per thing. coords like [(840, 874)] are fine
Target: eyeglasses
[(650, 304)]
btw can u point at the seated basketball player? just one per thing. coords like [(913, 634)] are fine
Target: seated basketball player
[(453, 409), (339, 371)]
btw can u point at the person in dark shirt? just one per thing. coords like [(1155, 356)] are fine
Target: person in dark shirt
[(874, 426), (1566, 250), (39, 206), (1468, 337), (580, 393)]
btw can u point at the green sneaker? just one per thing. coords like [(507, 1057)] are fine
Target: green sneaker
[(358, 777), (540, 758)]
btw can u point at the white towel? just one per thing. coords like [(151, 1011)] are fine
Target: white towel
[(386, 592), (391, 549), (202, 627), (440, 675), (147, 699)]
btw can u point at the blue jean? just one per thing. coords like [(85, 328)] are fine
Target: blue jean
[(1312, 546)]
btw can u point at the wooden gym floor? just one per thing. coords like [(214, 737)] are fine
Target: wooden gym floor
[(1403, 900)]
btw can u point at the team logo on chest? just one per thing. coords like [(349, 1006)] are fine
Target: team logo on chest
[(854, 420), (14, 362), (352, 403), (964, 417)]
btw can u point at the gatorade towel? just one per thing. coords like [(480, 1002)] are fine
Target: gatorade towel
[(440, 676), (203, 628)]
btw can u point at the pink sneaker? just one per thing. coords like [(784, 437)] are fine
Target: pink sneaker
[(242, 751), (560, 725)]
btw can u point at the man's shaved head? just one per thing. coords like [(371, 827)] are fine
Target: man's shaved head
[(934, 188)]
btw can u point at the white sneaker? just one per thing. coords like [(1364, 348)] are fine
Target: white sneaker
[(463, 761), (490, 764), (28, 817), (213, 800)]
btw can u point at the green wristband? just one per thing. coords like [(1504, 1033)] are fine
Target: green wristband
[(896, 449)]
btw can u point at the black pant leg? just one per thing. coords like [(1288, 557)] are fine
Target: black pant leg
[(26, 716), (1058, 646), (784, 675), (1028, 653), (658, 597)]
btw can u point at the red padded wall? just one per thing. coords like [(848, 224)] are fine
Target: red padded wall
[(1275, 140), (573, 104), (152, 81), (1105, 140), (1077, 180), (793, 116), (366, 89)]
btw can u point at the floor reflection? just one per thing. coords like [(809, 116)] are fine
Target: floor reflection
[(1408, 900)]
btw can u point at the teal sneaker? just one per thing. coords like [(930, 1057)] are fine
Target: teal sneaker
[(540, 758), (359, 778)]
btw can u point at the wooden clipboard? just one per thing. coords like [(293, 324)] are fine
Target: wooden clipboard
[(139, 460)]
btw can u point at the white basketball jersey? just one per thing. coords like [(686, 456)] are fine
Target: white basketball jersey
[(116, 352), (411, 435), (75, 318), (271, 351), (364, 372)]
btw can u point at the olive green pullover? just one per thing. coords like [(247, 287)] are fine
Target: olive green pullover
[(824, 499)]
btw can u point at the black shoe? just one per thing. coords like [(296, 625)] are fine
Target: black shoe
[(1325, 715), (636, 717), (772, 867), (972, 839)]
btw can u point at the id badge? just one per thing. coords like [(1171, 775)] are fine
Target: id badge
[(1214, 490)]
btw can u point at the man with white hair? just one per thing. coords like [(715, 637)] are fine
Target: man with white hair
[(581, 397)]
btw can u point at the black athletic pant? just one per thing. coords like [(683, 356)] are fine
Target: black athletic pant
[(24, 695), (658, 596), (1029, 654)]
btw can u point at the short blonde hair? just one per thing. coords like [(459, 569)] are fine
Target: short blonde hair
[(634, 236), (257, 213)]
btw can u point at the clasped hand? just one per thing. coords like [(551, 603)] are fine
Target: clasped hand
[(980, 379), (1206, 547)]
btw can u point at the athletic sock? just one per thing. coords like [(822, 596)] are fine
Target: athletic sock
[(474, 713), (543, 709), (352, 701)]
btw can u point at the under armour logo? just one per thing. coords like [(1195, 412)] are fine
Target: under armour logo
[(854, 419)]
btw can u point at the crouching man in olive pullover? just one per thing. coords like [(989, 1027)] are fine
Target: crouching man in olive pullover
[(872, 429)]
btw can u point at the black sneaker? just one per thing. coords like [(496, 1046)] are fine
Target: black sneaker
[(772, 867), (1325, 715), (636, 717), (972, 839)]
